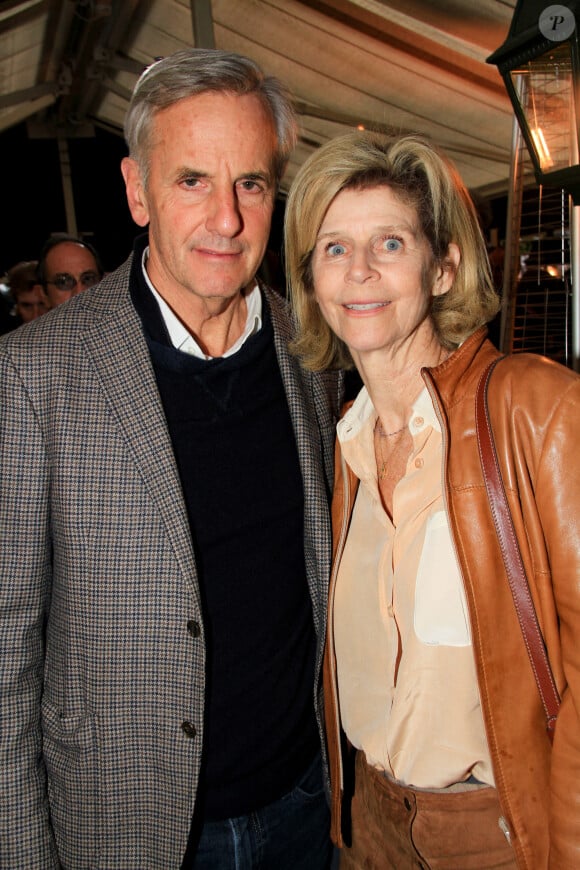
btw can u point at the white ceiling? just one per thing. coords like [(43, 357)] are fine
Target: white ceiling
[(386, 64)]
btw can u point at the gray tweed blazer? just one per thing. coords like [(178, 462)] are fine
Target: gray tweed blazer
[(98, 583)]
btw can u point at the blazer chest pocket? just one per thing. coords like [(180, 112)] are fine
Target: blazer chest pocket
[(70, 756)]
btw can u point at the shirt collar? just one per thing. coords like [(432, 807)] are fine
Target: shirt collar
[(422, 415), (356, 432), (182, 339)]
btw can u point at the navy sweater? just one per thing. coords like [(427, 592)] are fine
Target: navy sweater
[(236, 453)]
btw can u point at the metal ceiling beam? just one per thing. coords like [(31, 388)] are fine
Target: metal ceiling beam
[(81, 50), (105, 57), (202, 24), (15, 13), (24, 111), (26, 94)]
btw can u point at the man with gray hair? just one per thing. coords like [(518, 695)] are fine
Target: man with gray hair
[(165, 542)]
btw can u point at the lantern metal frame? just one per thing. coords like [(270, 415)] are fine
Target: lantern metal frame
[(555, 58)]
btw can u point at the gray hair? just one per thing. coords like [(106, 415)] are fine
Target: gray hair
[(193, 71)]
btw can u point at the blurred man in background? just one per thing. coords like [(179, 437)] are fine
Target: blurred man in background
[(27, 294), (66, 267)]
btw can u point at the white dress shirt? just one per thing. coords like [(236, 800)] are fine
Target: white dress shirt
[(182, 339)]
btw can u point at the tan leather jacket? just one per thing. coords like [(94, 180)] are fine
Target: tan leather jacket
[(534, 409)]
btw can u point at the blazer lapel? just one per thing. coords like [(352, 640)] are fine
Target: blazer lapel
[(121, 359), (309, 438)]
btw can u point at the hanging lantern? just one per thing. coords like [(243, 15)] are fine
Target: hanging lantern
[(539, 63)]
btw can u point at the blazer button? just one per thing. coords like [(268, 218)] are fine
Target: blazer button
[(188, 729), (193, 627)]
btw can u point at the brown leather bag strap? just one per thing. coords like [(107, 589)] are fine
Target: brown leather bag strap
[(512, 558)]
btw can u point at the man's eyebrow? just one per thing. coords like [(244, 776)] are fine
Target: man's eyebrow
[(265, 177), (254, 175), (184, 171)]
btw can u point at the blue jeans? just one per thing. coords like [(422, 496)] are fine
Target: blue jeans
[(291, 833)]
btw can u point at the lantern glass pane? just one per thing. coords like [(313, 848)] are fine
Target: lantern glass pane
[(545, 88)]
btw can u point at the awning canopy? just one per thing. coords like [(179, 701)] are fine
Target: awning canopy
[(402, 65)]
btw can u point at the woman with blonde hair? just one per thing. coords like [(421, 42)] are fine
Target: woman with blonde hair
[(432, 707)]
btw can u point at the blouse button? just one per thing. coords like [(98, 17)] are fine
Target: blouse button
[(419, 463), (418, 422)]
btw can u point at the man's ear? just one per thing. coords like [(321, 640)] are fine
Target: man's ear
[(447, 272), (136, 196)]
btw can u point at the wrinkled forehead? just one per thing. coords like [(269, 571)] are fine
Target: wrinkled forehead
[(215, 123)]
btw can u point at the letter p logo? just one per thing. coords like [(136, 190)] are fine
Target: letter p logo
[(557, 23)]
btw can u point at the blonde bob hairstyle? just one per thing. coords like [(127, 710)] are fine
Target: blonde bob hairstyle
[(421, 177)]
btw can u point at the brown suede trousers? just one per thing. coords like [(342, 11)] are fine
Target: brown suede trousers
[(395, 826)]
